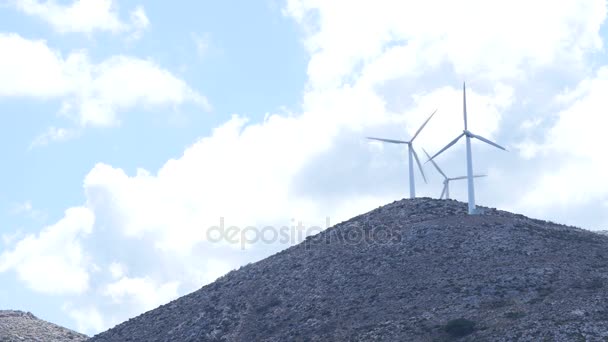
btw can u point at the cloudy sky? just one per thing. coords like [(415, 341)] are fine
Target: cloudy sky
[(132, 129)]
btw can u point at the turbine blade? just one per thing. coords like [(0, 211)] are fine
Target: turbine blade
[(464, 104), (458, 178), (447, 146), (392, 141), (434, 164), (487, 141), (443, 192), (418, 162), (421, 127), (465, 177)]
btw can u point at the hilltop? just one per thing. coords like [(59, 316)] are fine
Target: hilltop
[(413, 270), (24, 326)]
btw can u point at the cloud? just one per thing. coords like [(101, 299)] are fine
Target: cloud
[(124, 295), (26, 209), (30, 68), (190, 194), (87, 319), (482, 39), (202, 43), (8, 239), (120, 83), (92, 94), (574, 146), (117, 270), (143, 292), (84, 16), (53, 134), (20, 208), (140, 22), (53, 260)]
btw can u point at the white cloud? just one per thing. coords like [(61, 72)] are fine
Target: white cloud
[(209, 181), (126, 296), (9, 238), (144, 293), (139, 22), (88, 320), (117, 270), (53, 134), (489, 39), (202, 43), (26, 209), (574, 144), (30, 68), (92, 94), (53, 261), (120, 83), (84, 16)]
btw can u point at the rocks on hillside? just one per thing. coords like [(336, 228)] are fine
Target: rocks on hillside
[(413, 270), (23, 326)]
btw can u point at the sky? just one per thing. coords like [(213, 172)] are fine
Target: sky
[(149, 148)]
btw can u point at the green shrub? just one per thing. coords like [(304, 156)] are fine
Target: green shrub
[(459, 327)]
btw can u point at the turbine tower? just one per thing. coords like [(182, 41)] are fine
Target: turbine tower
[(411, 154), (446, 180), (466, 133)]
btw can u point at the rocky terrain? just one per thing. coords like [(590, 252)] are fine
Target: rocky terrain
[(23, 326), (413, 270)]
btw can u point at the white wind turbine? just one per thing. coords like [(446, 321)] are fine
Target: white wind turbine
[(446, 180), (411, 153), (466, 133)]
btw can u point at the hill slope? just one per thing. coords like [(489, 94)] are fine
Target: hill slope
[(404, 272), (23, 326)]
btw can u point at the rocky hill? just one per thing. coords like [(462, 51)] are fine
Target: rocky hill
[(23, 326), (413, 270)]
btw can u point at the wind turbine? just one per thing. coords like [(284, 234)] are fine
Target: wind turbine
[(466, 133), (446, 180), (411, 153)]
